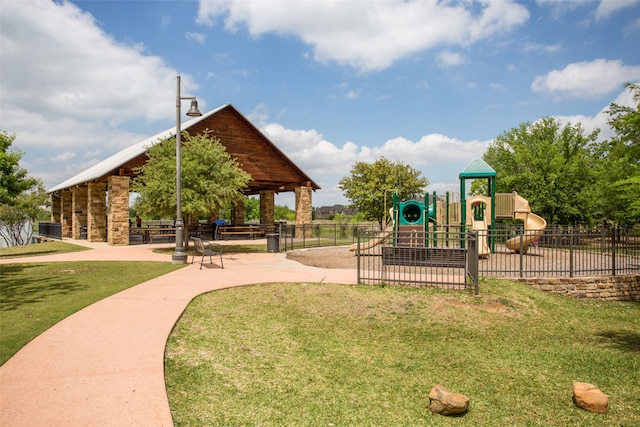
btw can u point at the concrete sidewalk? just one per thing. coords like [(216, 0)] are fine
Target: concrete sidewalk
[(104, 366)]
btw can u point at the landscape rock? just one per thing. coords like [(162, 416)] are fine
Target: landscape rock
[(444, 402), (590, 398)]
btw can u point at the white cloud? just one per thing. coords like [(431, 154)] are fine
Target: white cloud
[(431, 149), (588, 79), (451, 59), (197, 37), (439, 157), (66, 86), (368, 35), (542, 48), (422, 85), (608, 7), (560, 7), (64, 157), (600, 120), (351, 95), (632, 28), (326, 162)]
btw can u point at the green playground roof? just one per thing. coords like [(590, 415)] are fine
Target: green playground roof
[(477, 168)]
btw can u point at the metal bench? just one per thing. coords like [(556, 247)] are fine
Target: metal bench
[(424, 257), (204, 248)]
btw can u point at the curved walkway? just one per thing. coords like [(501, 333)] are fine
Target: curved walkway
[(104, 365)]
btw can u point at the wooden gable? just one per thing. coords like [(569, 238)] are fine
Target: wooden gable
[(269, 168)]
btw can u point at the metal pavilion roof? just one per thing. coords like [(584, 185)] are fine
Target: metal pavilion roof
[(108, 165)]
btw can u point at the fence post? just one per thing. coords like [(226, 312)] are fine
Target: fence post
[(472, 259), (358, 256), (613, 250), (304, 235), (570, 251), (521, 258)]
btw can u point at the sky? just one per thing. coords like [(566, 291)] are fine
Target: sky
[(329, 82)]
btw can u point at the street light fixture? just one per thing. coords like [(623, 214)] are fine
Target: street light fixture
[(180, 256)]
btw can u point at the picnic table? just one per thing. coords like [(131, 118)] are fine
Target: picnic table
[(150, 233), (249, 231)]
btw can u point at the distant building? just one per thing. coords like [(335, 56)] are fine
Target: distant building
[(328, 212)]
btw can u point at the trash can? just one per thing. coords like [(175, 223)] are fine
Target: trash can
[(273, 242)]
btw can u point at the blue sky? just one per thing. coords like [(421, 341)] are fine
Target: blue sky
[(329, 82)]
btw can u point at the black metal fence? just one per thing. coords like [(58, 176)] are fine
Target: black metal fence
[(419, 258), (50, 229), (320, 235), (563, 251)]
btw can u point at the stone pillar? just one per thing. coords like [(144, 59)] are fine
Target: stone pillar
[(56, 207), (97, 212), (118, 220), (304, 210), (237, 212), (267, 207), (79, 203), (66, 214)]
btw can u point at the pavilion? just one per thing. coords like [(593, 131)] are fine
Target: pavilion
[(97, 200)]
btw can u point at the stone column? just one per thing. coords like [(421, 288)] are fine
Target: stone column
[(237, 212), (79, 203), (118, 220), (304, 210), (267, 207), (66, 215), (97, 212), (56, 207)]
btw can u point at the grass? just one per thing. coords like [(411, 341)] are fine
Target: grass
[(41, 249), (323, 354), (35, 296)]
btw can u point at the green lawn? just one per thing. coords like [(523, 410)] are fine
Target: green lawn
[(40, 249), (35, 296), (323, 354)]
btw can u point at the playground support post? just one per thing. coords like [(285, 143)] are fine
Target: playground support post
[(425, 215), (463, 213), (396, 217), (446, 221), (492, 193), (435, 220)]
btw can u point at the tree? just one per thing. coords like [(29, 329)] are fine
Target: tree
[(368, 184), (283, 213), (251, 209), (552, 166), (620, 166), (21, 196), (210, 178)]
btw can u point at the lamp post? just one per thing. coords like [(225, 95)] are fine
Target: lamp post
[(180, 256)]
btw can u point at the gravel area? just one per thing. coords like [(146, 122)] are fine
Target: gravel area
[(327, 257)]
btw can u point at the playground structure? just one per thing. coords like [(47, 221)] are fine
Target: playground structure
[(413, 221), (422, 223)]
